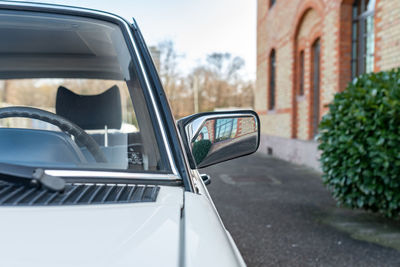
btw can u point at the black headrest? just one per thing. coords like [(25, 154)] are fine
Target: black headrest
[(90, 112)]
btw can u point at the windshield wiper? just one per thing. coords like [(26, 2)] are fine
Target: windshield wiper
[(30, 176)]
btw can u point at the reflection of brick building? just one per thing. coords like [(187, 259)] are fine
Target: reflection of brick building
[(245, 126), (210, 125), (222, 129), (307, 50)]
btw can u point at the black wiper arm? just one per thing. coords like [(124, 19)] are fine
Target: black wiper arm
[(30, 176)]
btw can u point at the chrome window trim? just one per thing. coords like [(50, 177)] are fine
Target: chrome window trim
[(105, 174), (134, 45)]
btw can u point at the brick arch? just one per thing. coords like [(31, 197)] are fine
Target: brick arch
[(304, 8)]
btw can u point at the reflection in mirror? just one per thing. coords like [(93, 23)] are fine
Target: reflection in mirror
[(222, 138)]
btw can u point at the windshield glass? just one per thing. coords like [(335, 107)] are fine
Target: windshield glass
[(70, 97)]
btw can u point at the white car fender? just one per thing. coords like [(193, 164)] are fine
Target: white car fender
[(205, 239)]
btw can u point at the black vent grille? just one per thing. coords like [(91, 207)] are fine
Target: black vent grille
[(77, 194)]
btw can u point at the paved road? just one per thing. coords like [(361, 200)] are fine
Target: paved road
[(277, 214)]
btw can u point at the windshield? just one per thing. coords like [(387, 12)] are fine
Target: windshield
[(70, 97)]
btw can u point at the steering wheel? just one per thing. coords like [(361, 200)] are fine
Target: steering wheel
[(62, 123)]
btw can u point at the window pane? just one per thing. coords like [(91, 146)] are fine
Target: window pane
[(225, 129), (353, 68), (354, 51), (363, 37), (272, 67), (301, 73), (354, 31), (371, 5), (355, 11), (370, 45)]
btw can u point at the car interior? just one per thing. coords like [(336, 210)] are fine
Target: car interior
[(70, 96), (99, 115)]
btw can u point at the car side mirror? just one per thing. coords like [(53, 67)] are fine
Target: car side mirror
[(214, 137)]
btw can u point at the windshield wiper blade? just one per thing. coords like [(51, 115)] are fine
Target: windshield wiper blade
[(30, 176)]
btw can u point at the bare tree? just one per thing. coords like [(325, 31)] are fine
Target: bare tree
[(177, 87), (222, 85), (168, 67), (215, 84)]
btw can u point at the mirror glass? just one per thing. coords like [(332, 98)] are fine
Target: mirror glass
[(222, 138)]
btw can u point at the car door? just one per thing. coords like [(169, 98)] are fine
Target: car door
[(207, 242)]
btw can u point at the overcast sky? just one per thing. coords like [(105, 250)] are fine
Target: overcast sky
[(197, 27)]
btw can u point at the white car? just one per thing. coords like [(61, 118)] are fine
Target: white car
[(94, 171)]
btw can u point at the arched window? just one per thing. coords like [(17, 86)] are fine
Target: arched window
[(272, 71), (301, 73), (315, 80), (362, 57)]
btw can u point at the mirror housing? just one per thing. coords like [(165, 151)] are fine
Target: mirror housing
[(214, 137)]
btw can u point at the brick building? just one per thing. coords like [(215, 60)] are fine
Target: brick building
[(307, 50)]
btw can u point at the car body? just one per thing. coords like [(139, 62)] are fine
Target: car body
[(66, 201)]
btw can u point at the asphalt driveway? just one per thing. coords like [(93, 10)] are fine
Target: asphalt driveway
[(280, 214)]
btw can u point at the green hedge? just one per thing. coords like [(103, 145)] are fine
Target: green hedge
[(360, 144)]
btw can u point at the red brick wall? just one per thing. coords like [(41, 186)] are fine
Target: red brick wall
[(210, 128), (291, 26), (387, 34), (245, 126), (345, 31)]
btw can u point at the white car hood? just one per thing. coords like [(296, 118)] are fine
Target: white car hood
[(137, 234)]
